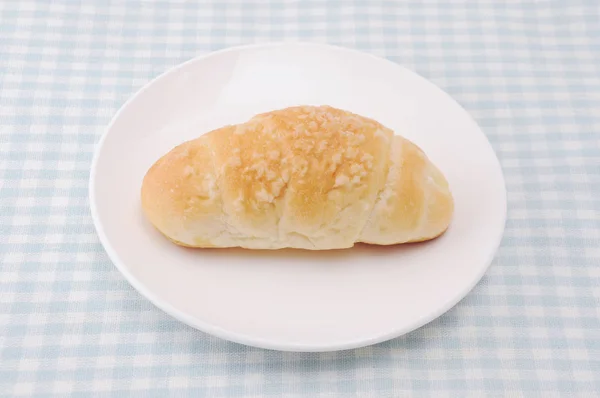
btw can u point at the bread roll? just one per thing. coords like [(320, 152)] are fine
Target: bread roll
[(303, 177)]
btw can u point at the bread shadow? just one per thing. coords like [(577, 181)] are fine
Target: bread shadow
[(358, 250)]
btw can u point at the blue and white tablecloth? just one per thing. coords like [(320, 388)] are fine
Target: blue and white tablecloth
[(528, 71)]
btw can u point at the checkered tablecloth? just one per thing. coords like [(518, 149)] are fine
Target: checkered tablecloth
[(529, 73)]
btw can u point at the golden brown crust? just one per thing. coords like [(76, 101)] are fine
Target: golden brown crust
[(304, 177)]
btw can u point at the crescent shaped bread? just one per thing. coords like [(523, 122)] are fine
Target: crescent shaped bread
[(306, 177)]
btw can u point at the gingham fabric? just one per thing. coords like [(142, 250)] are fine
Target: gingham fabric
[(529, 73)]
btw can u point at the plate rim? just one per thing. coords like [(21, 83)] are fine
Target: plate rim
[(258, 342)]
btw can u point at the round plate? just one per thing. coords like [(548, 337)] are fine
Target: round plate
[(291, 299)]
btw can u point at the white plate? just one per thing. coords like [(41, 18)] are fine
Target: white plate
[(295, 300)]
